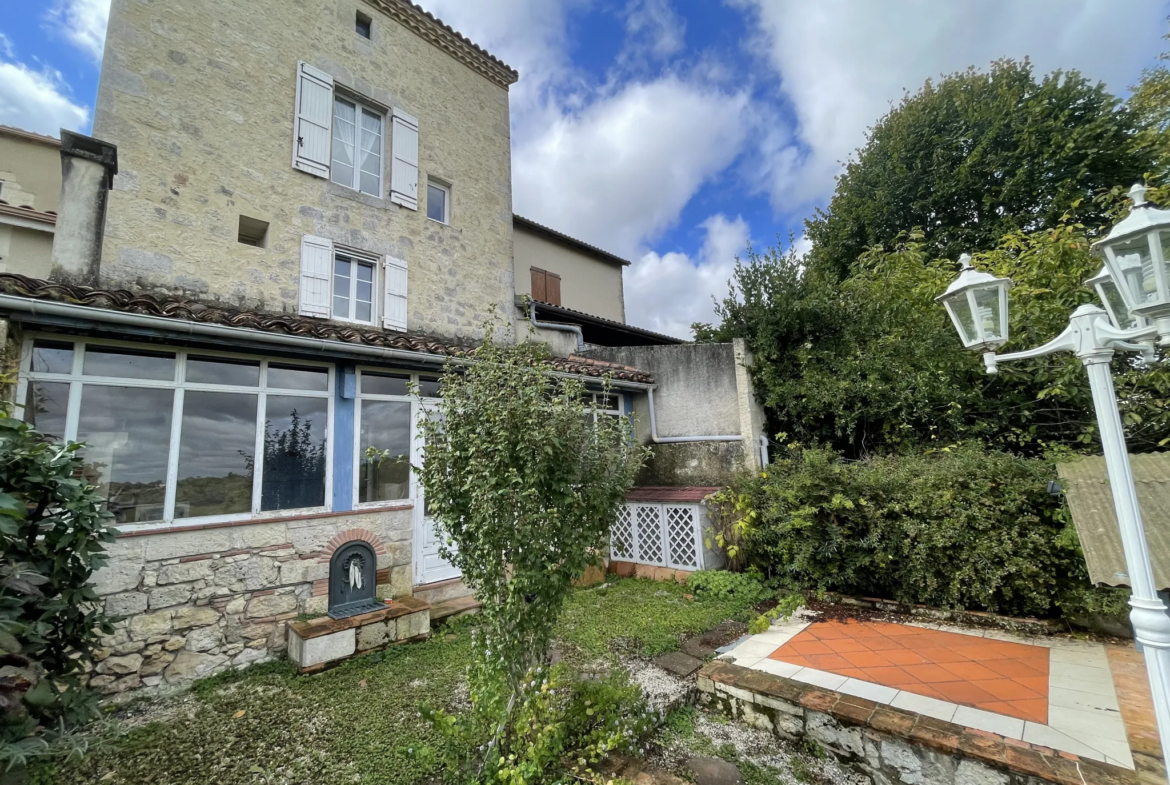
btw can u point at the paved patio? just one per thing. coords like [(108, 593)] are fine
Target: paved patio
[(1056, 691)]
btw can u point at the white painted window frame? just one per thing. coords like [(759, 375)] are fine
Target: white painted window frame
[(77, 380), (446, 189), (417, 410), (662, 535), (357, 257), (383, 117), (620, 411)]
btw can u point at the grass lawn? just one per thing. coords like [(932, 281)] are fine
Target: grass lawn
[(358, 722)]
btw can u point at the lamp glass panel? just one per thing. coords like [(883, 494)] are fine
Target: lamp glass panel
[(1164, 241), (960, 310), (987, 313), (1137, 269), (1114, 303)]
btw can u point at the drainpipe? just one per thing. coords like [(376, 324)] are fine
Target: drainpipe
[(763, 450), (654, 437), (565, 328)]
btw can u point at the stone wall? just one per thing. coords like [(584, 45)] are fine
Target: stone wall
[(201, 601), (199, 98)]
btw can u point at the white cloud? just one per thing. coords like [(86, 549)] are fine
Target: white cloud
[(38, 101), (652, 29), (6, 49), (843, 62), (669, 292), (82, 23), (619, 172)]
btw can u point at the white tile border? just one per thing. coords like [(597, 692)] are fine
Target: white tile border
[(1083, 710)]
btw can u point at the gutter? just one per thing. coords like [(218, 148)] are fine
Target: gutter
[(565, 328), (13, 303)]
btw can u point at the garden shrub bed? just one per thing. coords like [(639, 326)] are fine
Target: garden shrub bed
[(960, 528)]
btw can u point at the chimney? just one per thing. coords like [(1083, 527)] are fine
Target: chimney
[(88, 167)]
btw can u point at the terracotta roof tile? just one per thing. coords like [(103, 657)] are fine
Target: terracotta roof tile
[(658, 493), (282, 323)]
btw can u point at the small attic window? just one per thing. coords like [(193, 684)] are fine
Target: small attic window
[(364, 25), (253, 232)]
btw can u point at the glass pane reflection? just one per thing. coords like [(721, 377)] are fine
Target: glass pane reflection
[(45, 406), (384, 451), (294, 453), (216, 454), (127, 436)]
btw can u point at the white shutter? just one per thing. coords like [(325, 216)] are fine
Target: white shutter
[(404, 170), (312, 130), (394, 303), (316, 264)]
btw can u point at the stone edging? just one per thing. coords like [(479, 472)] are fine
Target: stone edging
[(881, 736)]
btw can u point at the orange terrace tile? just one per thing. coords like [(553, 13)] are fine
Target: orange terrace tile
[(997, 676)]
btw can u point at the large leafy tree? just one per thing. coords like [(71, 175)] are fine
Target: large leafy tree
[(977, 156)]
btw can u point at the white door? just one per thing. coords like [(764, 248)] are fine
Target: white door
[(429, 566)]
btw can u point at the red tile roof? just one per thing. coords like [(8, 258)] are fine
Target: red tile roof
[(283, 323), (661, 493)]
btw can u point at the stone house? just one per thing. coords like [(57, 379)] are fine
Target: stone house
[(275, 234)]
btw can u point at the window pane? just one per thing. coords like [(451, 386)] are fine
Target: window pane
[(364, 299), (216, 454), (429, 386), (384, 384), (293, 377), (371, 163), (127, 435), (363, 312), (341, 282), (436, 203), (384, 451), (209, 370), (294, 453), (344, 137), (52, 357), (129, 364), (45, 405)]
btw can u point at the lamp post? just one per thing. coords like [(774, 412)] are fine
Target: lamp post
[(1135, 287)]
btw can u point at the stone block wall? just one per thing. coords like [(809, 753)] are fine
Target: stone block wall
[(201, 601), (199, 98)]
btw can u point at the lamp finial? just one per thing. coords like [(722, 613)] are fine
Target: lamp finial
[(1138, 194), (965, 262)]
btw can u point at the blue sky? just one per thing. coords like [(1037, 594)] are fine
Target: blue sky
[(673, 132)]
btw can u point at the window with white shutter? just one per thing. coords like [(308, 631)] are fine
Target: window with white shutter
[(314, 120), (404, 169), (316, 265), (394, 305)]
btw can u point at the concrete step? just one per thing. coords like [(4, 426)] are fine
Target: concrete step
[(449, 609)]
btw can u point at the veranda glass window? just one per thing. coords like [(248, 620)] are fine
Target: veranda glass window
[(386, 414), (183, 435)]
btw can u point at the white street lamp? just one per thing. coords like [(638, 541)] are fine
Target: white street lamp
[(1136, 253)]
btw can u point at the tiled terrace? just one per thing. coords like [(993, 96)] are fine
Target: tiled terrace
[(1056, 692)]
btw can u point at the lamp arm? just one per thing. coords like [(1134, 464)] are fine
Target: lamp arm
[(1089, 334), (1065, 342)]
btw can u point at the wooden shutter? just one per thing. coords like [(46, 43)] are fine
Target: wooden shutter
[(404, 169), (394, 303), (539, 288), (552, 284), (312, 130), (316, 266)]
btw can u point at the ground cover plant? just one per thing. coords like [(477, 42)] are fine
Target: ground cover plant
[(360, 721)]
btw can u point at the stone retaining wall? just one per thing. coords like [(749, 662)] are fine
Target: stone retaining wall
[(194, 603), (892, 745)]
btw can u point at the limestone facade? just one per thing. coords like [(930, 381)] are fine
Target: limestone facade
[(193, 603), (199, 98)]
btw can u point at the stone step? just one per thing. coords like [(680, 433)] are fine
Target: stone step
[(449, 609)]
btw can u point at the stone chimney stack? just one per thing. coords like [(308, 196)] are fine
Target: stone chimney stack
[(88, 167)]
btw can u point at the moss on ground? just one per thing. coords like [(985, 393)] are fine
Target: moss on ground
[(359, 723)]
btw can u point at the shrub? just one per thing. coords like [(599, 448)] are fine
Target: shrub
[(963, 527), (724, 585), (53, 527)]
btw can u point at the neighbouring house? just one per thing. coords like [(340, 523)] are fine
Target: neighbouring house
[(30, 186), (276, 232)]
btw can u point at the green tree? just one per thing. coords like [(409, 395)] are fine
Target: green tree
[(977, 156), (524, 476), (1150, 104)]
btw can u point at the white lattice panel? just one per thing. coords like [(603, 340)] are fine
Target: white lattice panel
[(621, 543), (648, 520), (658, 534), (681, 538)]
